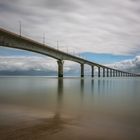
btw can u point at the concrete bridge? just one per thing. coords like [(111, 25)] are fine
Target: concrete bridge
[(12, 40)]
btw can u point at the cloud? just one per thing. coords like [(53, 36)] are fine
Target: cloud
[(131, 65), (111, 26), (34, 63), (24, 63)]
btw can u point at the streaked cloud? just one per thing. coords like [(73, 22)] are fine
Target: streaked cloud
[(99, 26)]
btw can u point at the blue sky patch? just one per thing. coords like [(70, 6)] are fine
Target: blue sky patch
[(96, 57), (105, 58)]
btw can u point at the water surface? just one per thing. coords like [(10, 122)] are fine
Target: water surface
[(70, 108)]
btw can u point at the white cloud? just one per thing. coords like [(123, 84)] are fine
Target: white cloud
[(100, 26), (24, 63), (131, 65), (16, 63)]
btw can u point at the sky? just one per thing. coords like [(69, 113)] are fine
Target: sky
[(103, 31)]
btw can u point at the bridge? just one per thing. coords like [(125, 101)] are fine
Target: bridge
[(13, 40)]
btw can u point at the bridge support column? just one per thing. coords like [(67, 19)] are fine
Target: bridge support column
[(103, 72), (99, 71), (110, 72), (107, 73), (82, 70), (92, 71), (60, 68), (113, 73), (116, 73)]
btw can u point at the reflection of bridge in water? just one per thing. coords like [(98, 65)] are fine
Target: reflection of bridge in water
[(12, 40)]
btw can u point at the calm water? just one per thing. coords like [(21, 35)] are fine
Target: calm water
[(71, 108)]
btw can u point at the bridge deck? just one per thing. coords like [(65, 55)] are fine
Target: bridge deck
[(13, 40)]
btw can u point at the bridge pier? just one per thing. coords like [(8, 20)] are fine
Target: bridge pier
[(113, 73), (107, 72), (103, 72), (82, 70), (116, 73), (60, 68), (92, 71), (99, 72), (120, 74), (110, 72)]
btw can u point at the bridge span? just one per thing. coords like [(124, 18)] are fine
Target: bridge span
[(13, 40)]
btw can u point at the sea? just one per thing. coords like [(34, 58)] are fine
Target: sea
[(69, 108)]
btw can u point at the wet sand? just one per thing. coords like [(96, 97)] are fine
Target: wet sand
[(29, 125)]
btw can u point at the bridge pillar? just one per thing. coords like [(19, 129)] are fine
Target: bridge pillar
[(92, 71), (103, 72), (82, 70), (99, 71), (60, 68), (119, 73), (110, 72), (116, 73), (107, 72), (113, 73)]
